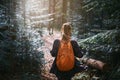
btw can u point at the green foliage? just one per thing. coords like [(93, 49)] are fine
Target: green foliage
[(15, 61), (19, 57), (103, 46), (82, 76), (108, 37)]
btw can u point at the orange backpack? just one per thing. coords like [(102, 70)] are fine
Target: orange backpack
[(65, 58)]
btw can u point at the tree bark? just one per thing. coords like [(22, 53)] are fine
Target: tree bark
[(64, 11)]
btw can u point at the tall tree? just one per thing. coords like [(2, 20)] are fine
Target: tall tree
[(108, 11), (52, 15), (64, 11)]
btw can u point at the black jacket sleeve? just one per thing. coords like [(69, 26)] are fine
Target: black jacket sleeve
[(77, 50), (55, 48)]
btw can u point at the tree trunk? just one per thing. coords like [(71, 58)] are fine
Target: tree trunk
[(52, 12), (64, 11)]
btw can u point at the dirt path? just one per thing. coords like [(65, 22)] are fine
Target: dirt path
[(48, 42)]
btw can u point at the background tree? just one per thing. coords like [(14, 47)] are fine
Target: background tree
[(64, 10)]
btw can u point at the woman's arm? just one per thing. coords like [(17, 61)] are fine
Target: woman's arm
[(77, 50), (55, 47)]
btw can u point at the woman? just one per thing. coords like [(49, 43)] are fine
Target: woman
[(66, 34)]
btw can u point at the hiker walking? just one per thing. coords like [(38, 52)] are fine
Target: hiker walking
[(65, 50)]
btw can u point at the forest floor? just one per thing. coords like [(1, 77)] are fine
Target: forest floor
[(48, 43)]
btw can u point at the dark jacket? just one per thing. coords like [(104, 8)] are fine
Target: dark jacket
[(77, 53)]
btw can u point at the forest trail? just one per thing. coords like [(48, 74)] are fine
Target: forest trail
[(48, 43)]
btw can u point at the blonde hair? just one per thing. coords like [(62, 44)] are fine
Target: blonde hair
[(66, 31)]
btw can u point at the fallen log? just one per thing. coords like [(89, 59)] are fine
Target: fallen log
[(96, 64)]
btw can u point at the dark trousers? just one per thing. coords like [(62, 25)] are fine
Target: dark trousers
[(60, 78)]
